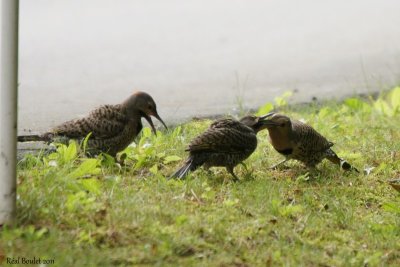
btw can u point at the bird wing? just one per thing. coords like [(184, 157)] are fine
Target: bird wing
[(231, 124), (104, 122), (225, 136), (305, 133), (223, 123)]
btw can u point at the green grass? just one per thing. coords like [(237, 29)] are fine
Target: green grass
[(81, 211)]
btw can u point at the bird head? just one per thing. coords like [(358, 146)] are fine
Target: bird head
[(255, 122), (144, 104), (277, 122)]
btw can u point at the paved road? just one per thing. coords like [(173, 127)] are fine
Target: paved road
[(199, 57)]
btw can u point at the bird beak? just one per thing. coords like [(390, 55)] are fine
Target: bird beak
[(263, 117), (264, 122), (148, 118), (159, 118)]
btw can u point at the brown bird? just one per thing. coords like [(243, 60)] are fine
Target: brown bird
[(112, 127), (297, 140), (226, 143)]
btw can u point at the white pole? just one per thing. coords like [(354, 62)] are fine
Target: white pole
[(8, 109)]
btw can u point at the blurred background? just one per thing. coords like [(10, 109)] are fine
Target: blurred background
[(199, 58)]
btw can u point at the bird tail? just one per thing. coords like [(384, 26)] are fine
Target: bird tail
[(341, 162), (189, 166), (32, 138)]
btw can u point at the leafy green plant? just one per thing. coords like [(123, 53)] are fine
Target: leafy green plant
[(65, 154), (268, 107), (280, 102), (357, 104), (84, 143), (389, 104), (149, 150), (88, 167), (93, 212)]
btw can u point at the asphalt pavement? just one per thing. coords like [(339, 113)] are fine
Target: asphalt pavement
[(199, 58)]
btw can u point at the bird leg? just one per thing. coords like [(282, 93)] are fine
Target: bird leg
[(279, 163), (230, 170), (206, 167), (312, 172), (121, 160)]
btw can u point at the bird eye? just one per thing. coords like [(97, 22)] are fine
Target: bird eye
[(282, 125)]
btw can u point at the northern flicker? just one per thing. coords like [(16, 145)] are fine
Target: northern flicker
[(226, 143), (112, 127), (297, 140)]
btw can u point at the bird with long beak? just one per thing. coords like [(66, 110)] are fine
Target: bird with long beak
[(112, 127), (297, 140), (226, 143)]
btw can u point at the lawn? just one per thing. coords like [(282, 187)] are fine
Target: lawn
[(76, 211)]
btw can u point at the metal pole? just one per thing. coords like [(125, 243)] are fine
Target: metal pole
[(8, 109)]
